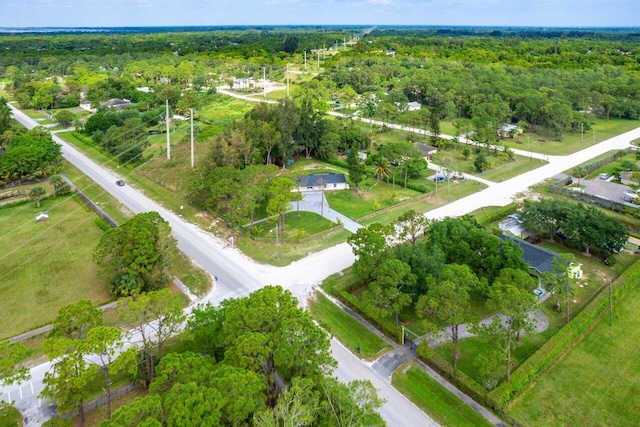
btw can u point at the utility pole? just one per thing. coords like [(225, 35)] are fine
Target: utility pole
[(192, 152), (264, 81), (318, 51), (168, 139), (305, 60), (287, 80)]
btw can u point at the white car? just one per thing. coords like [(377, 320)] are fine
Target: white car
[(540, 293)]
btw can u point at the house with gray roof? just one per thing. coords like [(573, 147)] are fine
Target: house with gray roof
[(326, 181), (539, 259)]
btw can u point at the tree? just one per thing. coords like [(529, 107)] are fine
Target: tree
[(60, 185), (558, 282), (267, 333), (12, 354), (5, 115), (30, 154), (135, 256), (290, 44), (449, 301), (382, 168), (579, 172), (69, 376), (480, 163), (37, 193), (515, 303), (155, 316), (74, 321), (412, 225), (353, 404), (370, 245), (385, 293), (356, 168), (280, 198), (106, 343), (65, 117)]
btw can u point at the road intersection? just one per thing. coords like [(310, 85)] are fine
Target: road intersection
[(238, 275)]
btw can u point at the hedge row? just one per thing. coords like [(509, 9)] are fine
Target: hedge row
[(542, 360), (354, 304), (496, 214), (597, 164), (337, 162)]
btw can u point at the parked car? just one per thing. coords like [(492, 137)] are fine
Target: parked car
[(539, 293), (604, 176), (120, 183)]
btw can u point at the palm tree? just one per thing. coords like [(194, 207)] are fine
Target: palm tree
[(382, 167)]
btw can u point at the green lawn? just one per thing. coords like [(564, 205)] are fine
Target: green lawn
[(346, 329), (439, 403), (572, 142), (597, 383), (266, 251), (10, 416), (356, 204), (501, 167), (445, 194), (48, 265)]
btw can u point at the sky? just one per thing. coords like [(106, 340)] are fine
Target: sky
[(132, 13)]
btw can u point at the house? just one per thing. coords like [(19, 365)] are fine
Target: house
[(414, 106), (509, 131), (539, 259), (319, 181), (391, 52), (116, 103), (427, 150)]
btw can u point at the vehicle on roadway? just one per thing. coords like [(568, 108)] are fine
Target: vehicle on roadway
[(120, 183)]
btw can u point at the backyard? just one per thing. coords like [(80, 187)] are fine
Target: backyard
[(599, 378)]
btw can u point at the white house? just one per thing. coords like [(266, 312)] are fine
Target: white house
[(414, 106), (326, 181)]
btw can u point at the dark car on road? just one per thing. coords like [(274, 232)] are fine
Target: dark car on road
[(120, 183)]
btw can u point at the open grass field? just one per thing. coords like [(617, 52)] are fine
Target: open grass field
[(597, 383), (439, 403), (346, 329), (48, 265), (572, 142)]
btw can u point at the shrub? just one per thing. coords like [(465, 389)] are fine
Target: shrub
[(102, 224)]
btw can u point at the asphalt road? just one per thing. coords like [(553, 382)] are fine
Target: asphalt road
[(238, 276)]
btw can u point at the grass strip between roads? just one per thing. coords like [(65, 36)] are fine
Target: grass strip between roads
[(355, 336), (439, 403)]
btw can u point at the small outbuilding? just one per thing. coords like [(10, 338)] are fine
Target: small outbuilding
[(41, 217)]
